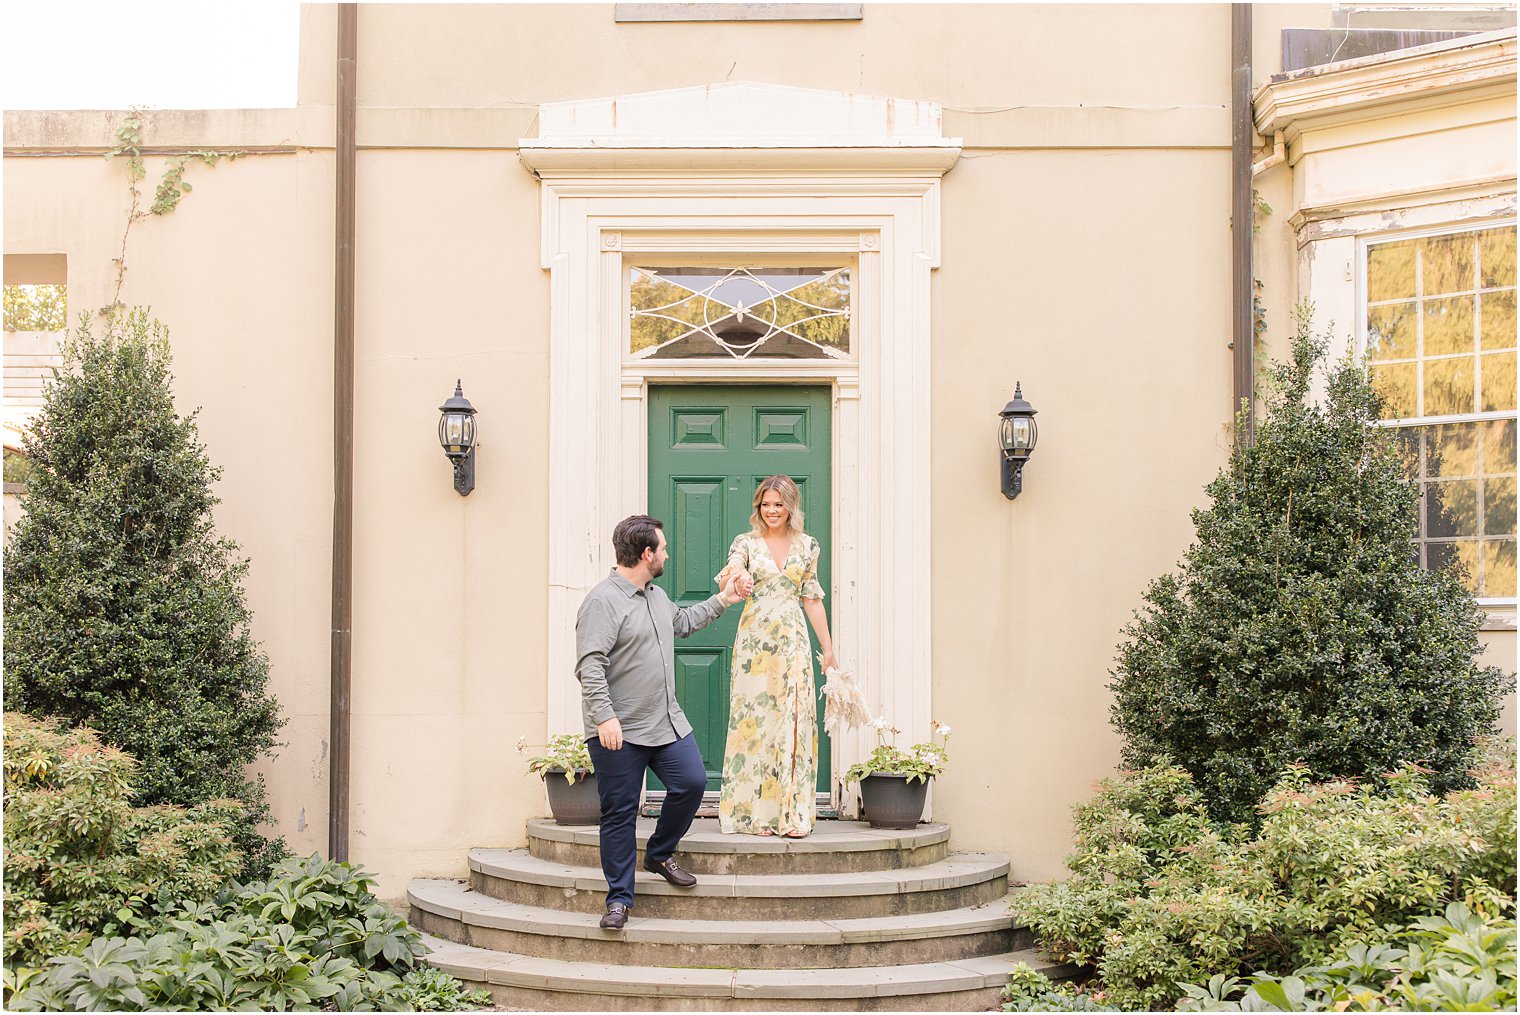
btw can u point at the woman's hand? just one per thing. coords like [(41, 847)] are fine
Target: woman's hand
[(829, 662)]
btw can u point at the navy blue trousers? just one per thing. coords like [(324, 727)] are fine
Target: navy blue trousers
[(619, 779)]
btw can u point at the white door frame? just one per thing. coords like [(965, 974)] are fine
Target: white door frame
[(876, 204)]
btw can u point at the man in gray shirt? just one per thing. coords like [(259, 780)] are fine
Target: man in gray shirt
[(625, 660)]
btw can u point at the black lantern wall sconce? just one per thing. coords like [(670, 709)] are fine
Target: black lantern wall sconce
[(456, 432), (1017, 435)]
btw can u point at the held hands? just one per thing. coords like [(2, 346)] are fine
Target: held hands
[(738, 587), (610, 733)]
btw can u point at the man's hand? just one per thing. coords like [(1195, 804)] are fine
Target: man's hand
[(610, 733), (738, 588)]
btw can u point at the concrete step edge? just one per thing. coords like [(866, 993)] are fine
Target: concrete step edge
[(704, 837), (956, 871), (481, 966), (453, 900)]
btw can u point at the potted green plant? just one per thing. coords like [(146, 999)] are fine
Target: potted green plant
[(573, 800), (894, 781)]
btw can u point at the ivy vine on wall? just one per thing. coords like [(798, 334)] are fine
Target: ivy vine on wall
[(171, 189)]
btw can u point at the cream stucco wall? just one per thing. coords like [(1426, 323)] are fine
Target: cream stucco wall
[(1129, 370), (1085, 252), (242, 276)]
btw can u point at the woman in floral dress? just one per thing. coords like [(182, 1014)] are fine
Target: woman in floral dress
[(770, 762)]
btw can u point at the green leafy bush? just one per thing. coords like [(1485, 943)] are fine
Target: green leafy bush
[(1031, 990), (79, 858), (313, 935), (1459, 961), (1301, 627), (123, 610), (1159, 896)]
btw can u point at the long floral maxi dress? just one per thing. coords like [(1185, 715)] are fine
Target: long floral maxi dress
[(770, 762)]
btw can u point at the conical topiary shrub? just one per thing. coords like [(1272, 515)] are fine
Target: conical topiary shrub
[(1301, 626), (123, 609)]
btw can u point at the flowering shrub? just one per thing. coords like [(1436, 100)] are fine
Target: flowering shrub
[(919, 763), (79, 858), (1160, 897), (567, 751)]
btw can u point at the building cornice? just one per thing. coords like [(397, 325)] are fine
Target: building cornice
[(1375, 87)]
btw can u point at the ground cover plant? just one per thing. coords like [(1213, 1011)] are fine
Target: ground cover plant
[(1300, 627), (123, 608), (1460, 960), (111, 907), (313, 936), (1161, 896)]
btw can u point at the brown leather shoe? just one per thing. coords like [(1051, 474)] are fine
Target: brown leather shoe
[(670, 871), (615, 917)]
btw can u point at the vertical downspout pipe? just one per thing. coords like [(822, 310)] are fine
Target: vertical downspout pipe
[(1242, 219), (343, 434)]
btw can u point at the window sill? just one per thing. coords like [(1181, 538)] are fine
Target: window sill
[(1498, 618)]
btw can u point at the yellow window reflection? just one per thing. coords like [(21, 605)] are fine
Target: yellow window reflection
[(1498, 312), (1448, 326), (1391, 332), (1498, 382), (1446, 264), (1499, 506), (1448, 386), (1390, 271), (1498, 569), (1497, 250), (1396, 383)]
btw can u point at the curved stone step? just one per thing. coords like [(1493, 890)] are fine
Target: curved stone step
[(835, 847), (452, 910), (960, 880), (544, 984)]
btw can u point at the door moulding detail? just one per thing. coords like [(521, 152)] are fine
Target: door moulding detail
[(887, 218)]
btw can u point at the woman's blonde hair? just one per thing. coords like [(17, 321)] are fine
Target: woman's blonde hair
[(790, 496)]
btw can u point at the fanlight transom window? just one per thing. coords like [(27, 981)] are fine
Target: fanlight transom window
[(791, 313)]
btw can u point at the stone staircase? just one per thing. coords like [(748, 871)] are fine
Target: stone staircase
[(852, 918)]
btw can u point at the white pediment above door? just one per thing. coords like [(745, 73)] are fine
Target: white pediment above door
[(734, 125)]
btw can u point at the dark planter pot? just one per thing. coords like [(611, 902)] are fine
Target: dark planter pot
[(573, 803), (891, 801)]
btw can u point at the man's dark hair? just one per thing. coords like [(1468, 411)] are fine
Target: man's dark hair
[(633, 536)]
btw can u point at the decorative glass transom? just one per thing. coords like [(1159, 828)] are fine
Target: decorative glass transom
[(794, 313)]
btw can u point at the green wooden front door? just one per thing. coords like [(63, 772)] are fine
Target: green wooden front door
[(709, 447)]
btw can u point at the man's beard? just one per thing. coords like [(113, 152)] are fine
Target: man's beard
[(656, 570)]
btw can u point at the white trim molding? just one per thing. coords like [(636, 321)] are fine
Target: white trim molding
[(601, 211), (1378, 88)]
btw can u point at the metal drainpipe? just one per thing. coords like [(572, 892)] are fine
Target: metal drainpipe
[(343, 435), (1242, 217)]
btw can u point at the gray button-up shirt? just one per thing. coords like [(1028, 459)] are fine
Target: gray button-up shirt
[(625, 658)]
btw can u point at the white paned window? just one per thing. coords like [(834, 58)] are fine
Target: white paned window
[(1440, 343), (738, 313)]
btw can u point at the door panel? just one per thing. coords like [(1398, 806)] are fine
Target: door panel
[(709, 447)]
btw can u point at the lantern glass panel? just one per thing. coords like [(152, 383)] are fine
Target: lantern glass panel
[(1005, 434), (1021, 432)]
